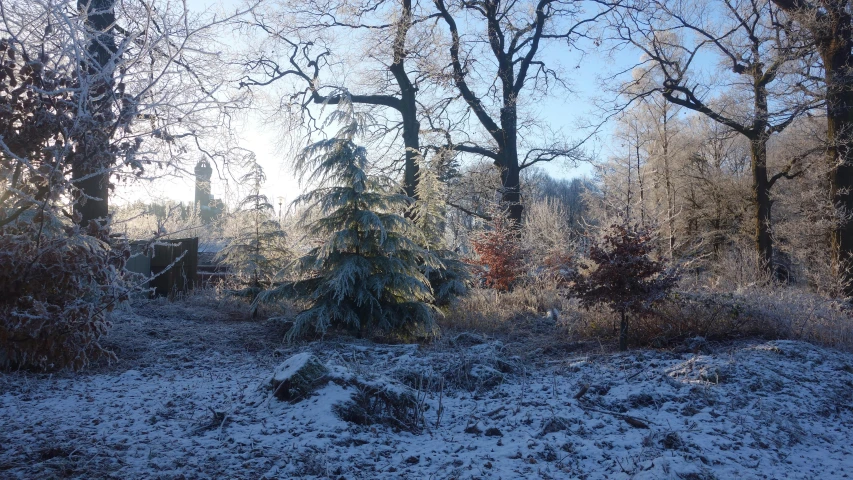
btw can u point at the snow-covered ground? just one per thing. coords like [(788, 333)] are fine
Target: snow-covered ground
[(190, 398)]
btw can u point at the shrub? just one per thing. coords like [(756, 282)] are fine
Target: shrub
[(500, 252), (57, 287), (510, 313), (57, 282), (770, 312), (558, 267), (547, 237), (625, 277)]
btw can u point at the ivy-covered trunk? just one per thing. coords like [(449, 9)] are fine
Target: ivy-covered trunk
[(408, 106), (508, 141), (832, 26)]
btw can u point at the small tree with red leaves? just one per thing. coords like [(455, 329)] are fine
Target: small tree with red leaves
[(626, 277), (500, 253)]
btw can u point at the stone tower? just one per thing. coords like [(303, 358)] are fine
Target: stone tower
[(203, 172)]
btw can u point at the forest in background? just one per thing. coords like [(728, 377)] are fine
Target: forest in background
[(719, 205)]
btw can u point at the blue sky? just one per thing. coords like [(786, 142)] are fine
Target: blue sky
[(564, 112)]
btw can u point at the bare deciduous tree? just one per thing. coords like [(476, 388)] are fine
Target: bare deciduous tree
[(516, 34), (831, 25), (768, 66), (388, 45)]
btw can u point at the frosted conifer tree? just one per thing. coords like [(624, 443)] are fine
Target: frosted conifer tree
[(451, 278), (259, 252), (366, 273)]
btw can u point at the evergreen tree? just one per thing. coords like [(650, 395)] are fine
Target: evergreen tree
[(451, 278), (258, 252), (366, 273)]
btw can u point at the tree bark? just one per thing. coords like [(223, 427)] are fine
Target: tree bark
[(839, 104), (833, 31), (628, 192), (509, 165), (408, 106), (623, 331), (761, 199), (511, 194), (670, 195), (92, 159)]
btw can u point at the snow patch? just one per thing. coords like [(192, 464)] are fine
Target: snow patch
[(778, 410)]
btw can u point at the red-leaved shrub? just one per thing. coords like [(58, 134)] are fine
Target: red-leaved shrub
[(500, 253), (625, 277)]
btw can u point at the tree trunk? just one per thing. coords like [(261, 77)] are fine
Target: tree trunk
[(640, 182), (511, 194), (510, 168), (628, 193), (408, 106), (718, 238), (411, 131), (623, 331), (833, 31), (92, 158), (761, 199), (96, 186), (670, 200), (839, 103)]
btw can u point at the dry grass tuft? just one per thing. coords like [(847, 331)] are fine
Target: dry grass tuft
[(498, 313), (539, 317), (214, 304), (544, 317)]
